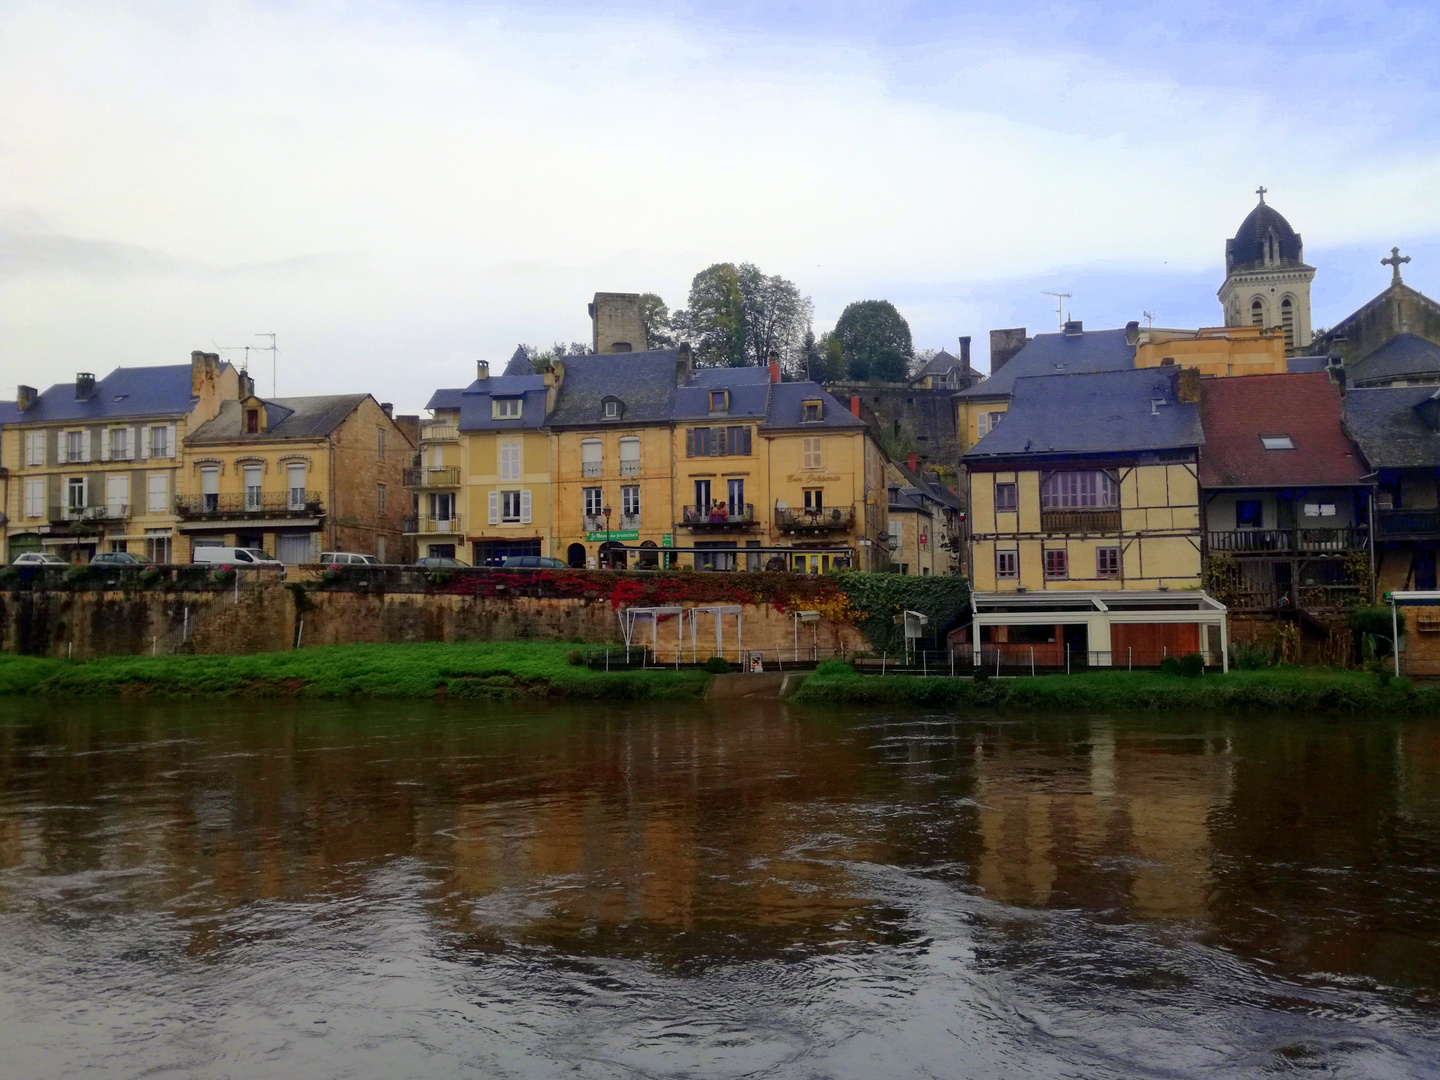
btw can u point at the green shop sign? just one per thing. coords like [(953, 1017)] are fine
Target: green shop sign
[(617, 534), (667, 539)]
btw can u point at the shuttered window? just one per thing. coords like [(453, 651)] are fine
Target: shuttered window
[(510, 461)]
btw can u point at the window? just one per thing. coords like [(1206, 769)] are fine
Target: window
[(442, 506), (210, 489), (630, 456), (719, 400), (1277, 442), (814, 410), (506, 408), (509, 461), (810, 452), (814, 500), (1007, 564), (1257, 312), (159, 442), (296, 484), (75, 494), (1064, 490), (735, 495), (594, 502), (510, 506), (718, 442), (610, 408), (702, 495), (157, 545), (35, 498), (157, 492), (1249, 514), (1287, 321), (75, 446), (119, 444), (1319, 509), (252, 422), (985, 423), (1107, 562), (252, 487), (117, 495), (1057, 563), (737, 441), (630, 504), (380, 443), (34, 448), (1168, 361), (380, 496), (1006, 497), (591, 457)]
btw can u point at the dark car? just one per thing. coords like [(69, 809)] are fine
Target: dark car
[(437, 560), (119, 558), (534, 562)]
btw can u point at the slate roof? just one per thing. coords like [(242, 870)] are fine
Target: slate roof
[(519, 363), (1246, 249), (1297, 364), (1236, 411), (643, 381), (289, 418), (787, 407), (1389, 429), (444, 399), (929, 484), (1401, 356), (476, 403), (909, 499), (1052, 354), (124, 394), (1093, 413), (941, 363)]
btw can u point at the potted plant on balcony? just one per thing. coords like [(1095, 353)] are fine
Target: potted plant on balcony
[(717, 513)]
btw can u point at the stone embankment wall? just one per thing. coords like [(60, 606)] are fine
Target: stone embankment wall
[(267, 617)]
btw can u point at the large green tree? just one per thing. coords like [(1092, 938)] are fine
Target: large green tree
[(737, 315), (659, 334), (876, 341)]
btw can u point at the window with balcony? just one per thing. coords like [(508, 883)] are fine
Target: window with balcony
[(1007, 498), (702, 495), (442, 506), (594, 500), (735, 495), (157, 493), (630, 506), (810, 454), (506, 408), (814, 500), (295, 485), (630, 456), (591, 457), (210, 489), (1007, 564), (119, 444), (509, 461), (1107, 562), (252, 487), (1057, 563)]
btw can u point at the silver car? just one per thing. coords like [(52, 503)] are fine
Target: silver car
[(39, 558)]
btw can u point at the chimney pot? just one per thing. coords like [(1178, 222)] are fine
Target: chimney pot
[(388, 408), (482, 369), (965, 352), (914, 462), (1074, 327), (855, 404), (84, 386), (774, 366)]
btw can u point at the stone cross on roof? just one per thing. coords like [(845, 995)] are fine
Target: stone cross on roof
[(1395, 261), (1261, 192)]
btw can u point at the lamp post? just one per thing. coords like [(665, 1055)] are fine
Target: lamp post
[(606, 511)]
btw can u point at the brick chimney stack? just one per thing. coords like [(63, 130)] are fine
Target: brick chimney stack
[(855, 404), (913, 461), (482, 369), (774, 366), (25, 397)]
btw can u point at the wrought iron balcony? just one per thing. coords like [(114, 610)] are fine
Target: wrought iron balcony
[(799, 519), (1408, 522), (265, 504), (432, 476), (718, 517), (1080, 521), (438, 431), (630, 467), (450, 526), (100, 512)]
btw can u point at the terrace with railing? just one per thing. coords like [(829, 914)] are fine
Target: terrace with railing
[(1283, 541), (251, 504), (432, 476), (438, 431), (98, 512), (802, 519), (718, 517), (414, 525)]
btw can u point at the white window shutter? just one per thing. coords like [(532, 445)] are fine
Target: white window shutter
[(142, 442), (85, 445), (170, 448), (525, 507), (105, 436), (85, 490), (494, 508), (60, 447)]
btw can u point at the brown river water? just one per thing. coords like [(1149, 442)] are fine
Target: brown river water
[(428, 890)]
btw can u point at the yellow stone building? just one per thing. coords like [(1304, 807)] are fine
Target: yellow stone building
[(1216, 351), (96, 466)]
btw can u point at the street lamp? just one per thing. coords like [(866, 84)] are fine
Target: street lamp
[(606, 511)]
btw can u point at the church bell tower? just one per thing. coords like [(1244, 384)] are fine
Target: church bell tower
[(1266, 280)]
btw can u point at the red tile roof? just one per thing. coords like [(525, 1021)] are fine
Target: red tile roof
[(1236, 411)]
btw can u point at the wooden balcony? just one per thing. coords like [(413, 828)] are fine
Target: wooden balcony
[(438, 431), (1286, 541), (1080, 521), (799, 519), (1407, 524)]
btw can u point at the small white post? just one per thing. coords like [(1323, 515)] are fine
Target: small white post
[(1032, 661), (952, 663), (154, 646), (997, 661), (1129, 658), (300, 635), (1067, 659), (1395, 633), (883, 655)]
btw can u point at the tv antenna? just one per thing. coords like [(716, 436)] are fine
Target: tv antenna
[(274, 352), (1149, 317), (1060, 298)]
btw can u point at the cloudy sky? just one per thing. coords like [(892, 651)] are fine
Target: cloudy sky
[(399, 189)]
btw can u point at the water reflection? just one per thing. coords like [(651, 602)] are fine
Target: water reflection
[(421, 889)]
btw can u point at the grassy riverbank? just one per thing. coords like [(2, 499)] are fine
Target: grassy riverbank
[(1267, 690), (494, 670)]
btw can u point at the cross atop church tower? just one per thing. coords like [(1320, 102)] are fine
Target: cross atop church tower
[(1261, 192), (1395, 261)]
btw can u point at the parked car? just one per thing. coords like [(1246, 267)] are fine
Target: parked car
[(347, 558), (237, 558), (531, 562), (38, 558), (437, 560), (119, 558)]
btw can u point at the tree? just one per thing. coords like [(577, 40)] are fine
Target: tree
[(737, 316), (812, 357), (659, 334), (541, 360), (876, 341), (831, 366)]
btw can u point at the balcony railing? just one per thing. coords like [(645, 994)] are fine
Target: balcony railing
[(630, 467), (593, 522), (1082, 521), (100, 512), (432, 476), (295, 503), (591, 468), (801, 519), (1408, 522), (1257, 597), (701, 517), (414, 525), (438, 431), (629, 522), (1278, 541)]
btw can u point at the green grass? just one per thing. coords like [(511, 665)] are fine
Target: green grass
[(471, 670), (1268, 690)]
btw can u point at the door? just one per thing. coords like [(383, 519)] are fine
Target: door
[(293, 549)]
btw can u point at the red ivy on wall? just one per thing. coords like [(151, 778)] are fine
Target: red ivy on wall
[(780, 590)]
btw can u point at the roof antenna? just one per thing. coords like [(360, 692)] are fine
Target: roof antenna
[(274, 365), (1149, 318), (1060, 298)]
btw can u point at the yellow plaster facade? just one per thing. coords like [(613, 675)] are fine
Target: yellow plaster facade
[(1215, 351)]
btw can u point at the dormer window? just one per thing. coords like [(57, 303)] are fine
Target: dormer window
[(505, 408), (612, 408), (252, 421), (1277, 442), (814, 411), (719, 401)]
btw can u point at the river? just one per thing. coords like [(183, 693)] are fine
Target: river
[(417, 889)]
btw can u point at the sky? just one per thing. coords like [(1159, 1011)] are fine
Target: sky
[(397, 190)]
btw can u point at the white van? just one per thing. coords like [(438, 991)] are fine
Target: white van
[(238, 557)]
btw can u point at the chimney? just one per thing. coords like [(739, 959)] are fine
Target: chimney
[(24, 397), (482, 370), (913, 461), (204, 372), (84, 386), (409, 426), (1132, 332), (1074, 328), (247, 385), (774, 366), (684, 364), (964, 352), (1004, 344), (388, 408), (855, 404), (1187, 386)]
